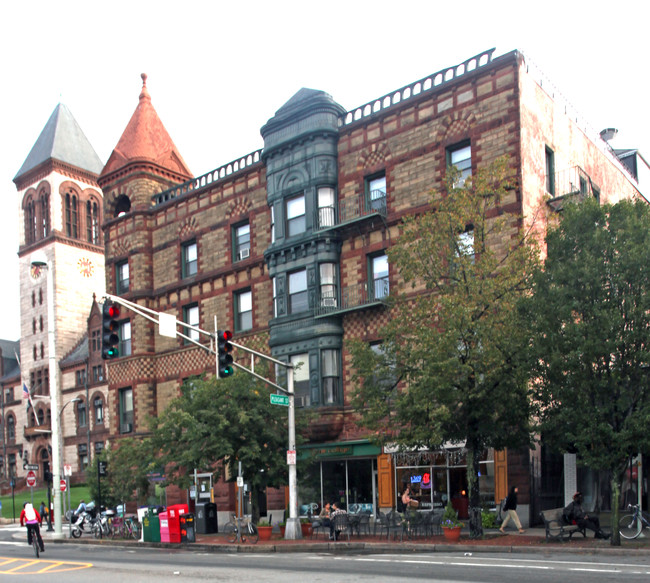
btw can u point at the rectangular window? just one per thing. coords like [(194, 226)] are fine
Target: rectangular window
[(461, 157), (83, 455), (298, 300), (330, 376), (122, 277), (272, 225), (99, 447), (80, 377), (326, 208), (300, 364), (241, 241), (376, 193), (296, 216), (189, 259), (191, 317), (328, 291), (379, 276), (95, 341), (243, 311), (9, 395), (98, 373), (549, 159), (124, 348), (126, 410), (275, 297)]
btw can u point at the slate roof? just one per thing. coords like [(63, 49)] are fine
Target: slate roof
[(62, 139)]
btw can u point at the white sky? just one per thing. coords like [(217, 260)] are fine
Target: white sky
[(218, 71)]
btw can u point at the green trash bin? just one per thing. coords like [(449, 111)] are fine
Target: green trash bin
[(151, 526)]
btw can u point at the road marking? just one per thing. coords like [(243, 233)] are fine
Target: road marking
[(38, 567)]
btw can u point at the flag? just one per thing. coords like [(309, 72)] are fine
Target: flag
[(27, 395)]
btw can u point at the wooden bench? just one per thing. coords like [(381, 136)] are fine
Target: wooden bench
[(556, 528)]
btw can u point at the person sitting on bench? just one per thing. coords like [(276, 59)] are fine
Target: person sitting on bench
[(574, 514)]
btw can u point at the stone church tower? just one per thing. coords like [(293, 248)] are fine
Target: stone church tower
[(60, 215)]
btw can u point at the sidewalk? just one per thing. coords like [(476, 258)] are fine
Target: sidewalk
[(533, 540)]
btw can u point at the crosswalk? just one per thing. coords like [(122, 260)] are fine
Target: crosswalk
[(15, 566)]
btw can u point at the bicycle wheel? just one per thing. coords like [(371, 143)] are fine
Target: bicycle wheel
[(135, 530), (253, 534), (35, 545), (231, 531), (629, 526), (97, 530)]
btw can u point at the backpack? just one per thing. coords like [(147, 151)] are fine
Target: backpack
[(400, 504)]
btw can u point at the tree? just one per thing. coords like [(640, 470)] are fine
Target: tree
[(215, 424), (591, 319), (128, 463), (451, 366)]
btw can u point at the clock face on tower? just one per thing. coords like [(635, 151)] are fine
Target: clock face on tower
[(86, 267), (35, 271)]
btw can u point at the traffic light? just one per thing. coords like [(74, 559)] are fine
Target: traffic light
[(224, 356), (110, 326)]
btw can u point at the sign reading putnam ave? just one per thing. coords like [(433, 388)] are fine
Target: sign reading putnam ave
[(279, 399)]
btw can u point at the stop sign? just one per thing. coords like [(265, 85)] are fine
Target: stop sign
[(63, 485), (31, 479)]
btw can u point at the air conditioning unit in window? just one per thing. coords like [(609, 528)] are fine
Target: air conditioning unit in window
[(328, 302), (127, 427), (300, 401), (244, 253)]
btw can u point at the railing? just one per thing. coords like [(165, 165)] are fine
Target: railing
[(35, 430), (351, 209), (211, 177), (355, 297), (426, 84), (572, 182)]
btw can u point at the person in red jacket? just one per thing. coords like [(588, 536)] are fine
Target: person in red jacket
[(30, 517)]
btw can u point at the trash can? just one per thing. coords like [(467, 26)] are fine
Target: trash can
[(151, 526), (206, 518), (187, 528)]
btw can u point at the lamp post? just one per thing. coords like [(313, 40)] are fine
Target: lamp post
[(40, 260)]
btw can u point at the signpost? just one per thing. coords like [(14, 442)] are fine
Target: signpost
[(64, 485), (279, 399), (31, 479)]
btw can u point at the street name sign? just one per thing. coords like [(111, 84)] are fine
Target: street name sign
[(279, 399)]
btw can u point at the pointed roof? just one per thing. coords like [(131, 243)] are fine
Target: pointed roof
[(146, 139), (62, 139)]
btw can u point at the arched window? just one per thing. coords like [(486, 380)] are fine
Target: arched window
[(11, 428), (45, 214), (30, 221), (98, 406), (71, 216), (41, 416), (92, 222)]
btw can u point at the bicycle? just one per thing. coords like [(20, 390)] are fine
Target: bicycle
[(241, 533), (631, 525)]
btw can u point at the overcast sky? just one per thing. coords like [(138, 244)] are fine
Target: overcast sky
[(218, 71)]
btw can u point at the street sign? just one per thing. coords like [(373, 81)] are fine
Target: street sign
[(240, 481), (31, 479), (33, 467), (291, 457), (64, 485), (67, 469), (102, 468), (279, 399)]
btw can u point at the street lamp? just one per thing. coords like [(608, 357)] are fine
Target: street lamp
[(40, 260)]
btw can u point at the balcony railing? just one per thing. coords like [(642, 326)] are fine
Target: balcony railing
[(36, 430), (354, 297), (351, 210), (570, 183)]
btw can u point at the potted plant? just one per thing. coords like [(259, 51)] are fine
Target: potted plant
[(282, 526), (450, 524), (306, 526), (265, 529)]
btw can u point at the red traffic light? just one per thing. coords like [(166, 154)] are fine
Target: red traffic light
[(113, 311)]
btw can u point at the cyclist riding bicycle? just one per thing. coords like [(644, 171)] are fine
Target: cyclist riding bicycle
[(33, 520)]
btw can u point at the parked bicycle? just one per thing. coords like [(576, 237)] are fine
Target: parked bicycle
[(238, 532), (631, 525)]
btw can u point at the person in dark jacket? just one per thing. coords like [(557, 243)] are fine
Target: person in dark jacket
[(510, 508), (574, 514)]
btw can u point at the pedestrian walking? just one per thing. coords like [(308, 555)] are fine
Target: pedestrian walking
[(510, 508)]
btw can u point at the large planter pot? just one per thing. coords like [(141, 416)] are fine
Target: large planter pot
[(452, 534), (265, 532), (282, 527), (307, 529)]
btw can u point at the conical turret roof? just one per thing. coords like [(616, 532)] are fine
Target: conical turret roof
[(62, 140), (146, 139)]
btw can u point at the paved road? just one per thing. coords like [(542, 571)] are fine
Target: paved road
[(78, 563)]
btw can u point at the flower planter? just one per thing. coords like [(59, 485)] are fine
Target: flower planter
[(452, 534), (282, 529), (307, 529), (265, 532)]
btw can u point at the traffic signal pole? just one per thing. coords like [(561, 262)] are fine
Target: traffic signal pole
[(293, 530)]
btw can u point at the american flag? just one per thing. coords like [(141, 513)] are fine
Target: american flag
[(28, 396)]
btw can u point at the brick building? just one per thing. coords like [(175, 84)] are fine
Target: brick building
[(288, 244)]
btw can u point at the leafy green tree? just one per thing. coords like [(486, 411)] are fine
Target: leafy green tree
[(215, 424), (451, 366), (591, 319), (128, 461)]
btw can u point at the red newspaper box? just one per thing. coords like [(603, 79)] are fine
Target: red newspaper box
[(164, 527), (174, 513)]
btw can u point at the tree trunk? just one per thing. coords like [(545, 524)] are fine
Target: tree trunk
[(475, 520), (616, 497)]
